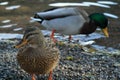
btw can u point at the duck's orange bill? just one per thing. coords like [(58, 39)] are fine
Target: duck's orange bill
[(105, 31), (21, 44)]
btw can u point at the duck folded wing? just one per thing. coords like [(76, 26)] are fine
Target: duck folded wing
[(59, 13)]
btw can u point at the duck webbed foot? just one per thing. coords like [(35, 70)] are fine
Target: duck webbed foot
[(52, 36), (33, 77), (50, 76)]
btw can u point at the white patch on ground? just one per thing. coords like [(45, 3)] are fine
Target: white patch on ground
[(10, 36), (88, 38), (67, 4), (19, 36), (106, 50), (13, 7), (79, 4), (96, 4), (7, 26), (76, 37), (46, 32), (17, 29), (4, 3), (86, 43), (6, 21), (107, 2), (111, 15), (83, 39), (98, 29), (97, 47)]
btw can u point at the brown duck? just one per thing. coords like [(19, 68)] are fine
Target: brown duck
[(37, 55)]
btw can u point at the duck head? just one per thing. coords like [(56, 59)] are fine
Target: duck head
[(32, 37), (101, 21)]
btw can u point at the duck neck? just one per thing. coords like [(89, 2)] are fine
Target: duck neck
[(41, 41), (38, 40), (88, 27)]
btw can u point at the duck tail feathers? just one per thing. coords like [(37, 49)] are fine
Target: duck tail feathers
[(37, 18)]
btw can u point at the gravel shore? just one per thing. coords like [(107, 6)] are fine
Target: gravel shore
[(75, 64)]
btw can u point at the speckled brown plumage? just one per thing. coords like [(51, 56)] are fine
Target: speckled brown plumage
[(37, 56)]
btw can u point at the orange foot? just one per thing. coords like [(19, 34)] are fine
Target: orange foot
[(70, 38), (33, 77), (52, 36), (50, 76)]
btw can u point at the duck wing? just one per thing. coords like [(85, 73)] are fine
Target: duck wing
[(82, 13), (59, 13)]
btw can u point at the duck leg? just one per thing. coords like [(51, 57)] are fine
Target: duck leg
[(33, 77), (50, 75), (70, 38), (52, 36)]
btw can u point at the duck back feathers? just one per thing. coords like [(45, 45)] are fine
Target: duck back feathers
[(37, 58)]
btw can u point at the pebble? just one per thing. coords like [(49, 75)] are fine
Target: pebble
[(80, 67)]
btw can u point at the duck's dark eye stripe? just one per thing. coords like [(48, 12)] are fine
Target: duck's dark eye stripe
[(26, 37)]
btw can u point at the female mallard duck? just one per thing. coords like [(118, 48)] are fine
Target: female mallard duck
[(36, 56), (71, 21)]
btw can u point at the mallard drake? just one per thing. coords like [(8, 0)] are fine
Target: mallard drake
[(36, 55), (71, 21)]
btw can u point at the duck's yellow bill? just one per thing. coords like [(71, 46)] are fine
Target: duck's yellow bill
[(105, 31), (21, 44)]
